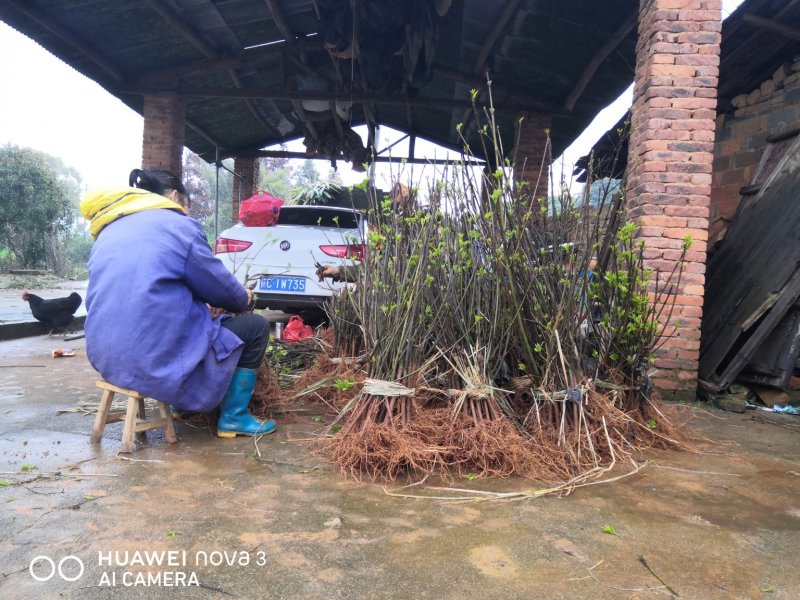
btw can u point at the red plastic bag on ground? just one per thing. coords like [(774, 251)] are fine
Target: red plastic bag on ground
[(260, 210), (296, 330)]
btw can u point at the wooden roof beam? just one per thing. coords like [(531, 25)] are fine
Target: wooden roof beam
[(175, 21), (197, 129), (393, 144), (488, 44), (257, 147), (494, 34), (250, 104), (381, 159), (289, 36), (69, 38), (280, 22), (284, 94), (286, 32), (734, 53), (247, 58), (793, 33), (498, 90), (602, 54), (178, 24)]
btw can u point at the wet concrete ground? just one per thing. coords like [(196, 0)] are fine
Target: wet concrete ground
[(722, 523)]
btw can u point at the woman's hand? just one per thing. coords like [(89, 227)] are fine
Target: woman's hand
[(216, 311), (331, 272)]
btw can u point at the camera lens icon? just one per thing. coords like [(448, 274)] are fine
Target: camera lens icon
[(43, 568)]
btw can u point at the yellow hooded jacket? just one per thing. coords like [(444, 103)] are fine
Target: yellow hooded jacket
[(106, 205)]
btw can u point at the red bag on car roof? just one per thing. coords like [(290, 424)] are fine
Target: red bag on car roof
[(260, 210)]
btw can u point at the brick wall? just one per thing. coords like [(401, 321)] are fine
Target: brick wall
[(769, 109), (162, 140), (243, 187), (669, 166), (532, 152)]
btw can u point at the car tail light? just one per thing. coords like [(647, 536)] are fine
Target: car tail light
[(224, 245), (351, 251)]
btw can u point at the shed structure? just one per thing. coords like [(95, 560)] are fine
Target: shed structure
[(227, 78)]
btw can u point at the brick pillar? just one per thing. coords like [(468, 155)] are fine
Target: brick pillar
[(669, 166), (164, 125), (244, 186), (532, 154)]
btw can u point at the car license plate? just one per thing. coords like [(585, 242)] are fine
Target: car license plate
[(282, 284)]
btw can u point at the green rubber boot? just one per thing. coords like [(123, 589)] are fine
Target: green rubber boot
[(234, 418)]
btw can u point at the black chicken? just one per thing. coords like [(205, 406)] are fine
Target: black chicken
[(57, 313)]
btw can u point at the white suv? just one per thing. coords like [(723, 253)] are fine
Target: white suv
[(282, 259)]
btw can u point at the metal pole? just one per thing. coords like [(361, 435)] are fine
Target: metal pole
[(372, 166), (216, 197)]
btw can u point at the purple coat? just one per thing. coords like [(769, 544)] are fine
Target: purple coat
[(148, 329)]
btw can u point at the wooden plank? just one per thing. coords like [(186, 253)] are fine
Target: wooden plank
[(774, 360), (792, 131), (793, 33), (115, 416), (774, 381), (150, 424), (768, 303), (102, 416), (169, 429), (334, 95), (488, 44), (104, 385), (758, 257), (129, 430), (788, 298), (602, 54)]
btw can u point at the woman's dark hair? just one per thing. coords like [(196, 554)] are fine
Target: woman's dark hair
[(156, 181)]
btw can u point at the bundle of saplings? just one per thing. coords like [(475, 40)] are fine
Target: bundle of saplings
[(500, 334)]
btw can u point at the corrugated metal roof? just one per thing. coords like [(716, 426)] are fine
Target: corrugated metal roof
[(539, 55)]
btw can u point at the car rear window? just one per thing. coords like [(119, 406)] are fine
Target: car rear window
[(344, 219)]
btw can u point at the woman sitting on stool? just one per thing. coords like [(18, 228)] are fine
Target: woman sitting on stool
[(152, 277)]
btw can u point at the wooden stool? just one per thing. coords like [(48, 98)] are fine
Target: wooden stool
[(135, 421)]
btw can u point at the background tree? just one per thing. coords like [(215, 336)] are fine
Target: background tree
[(601, 191), (38, 196), (198, 186), (200, 179), (275, 176), (306, 174), (313, 188)]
